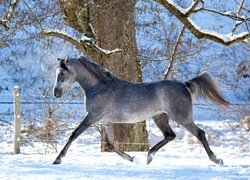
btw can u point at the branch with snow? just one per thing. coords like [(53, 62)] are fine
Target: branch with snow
[(3, 22), (238, 22), (192, 7), (6, 22), (184, 16), (82, 44)]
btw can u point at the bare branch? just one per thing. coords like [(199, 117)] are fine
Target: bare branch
[(33, 14), (191, 9), (3, 43), (240, 7), (238, 23), (3, 22), (82, 44), (225, 39), (6, 22), (226, 14), (239, 20), (85, 44), (173, 55), (66, 37), (183, 16)]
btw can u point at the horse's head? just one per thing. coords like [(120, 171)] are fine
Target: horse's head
[(65, 77)]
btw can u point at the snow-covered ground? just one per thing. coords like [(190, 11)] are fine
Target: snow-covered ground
[(183, 158)]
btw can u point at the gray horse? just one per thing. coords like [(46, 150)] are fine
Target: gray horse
[(112, 100)]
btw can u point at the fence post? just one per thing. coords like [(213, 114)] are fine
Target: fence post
[(17, 124)]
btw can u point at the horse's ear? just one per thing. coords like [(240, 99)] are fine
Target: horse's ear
[(59, 61), (63, 63), (67, 60)]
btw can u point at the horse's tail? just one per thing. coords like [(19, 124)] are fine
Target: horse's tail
[(203, 86)]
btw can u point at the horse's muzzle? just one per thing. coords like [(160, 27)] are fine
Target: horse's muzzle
[(57, 93)]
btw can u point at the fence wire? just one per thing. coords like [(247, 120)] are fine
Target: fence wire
[(67, 116)]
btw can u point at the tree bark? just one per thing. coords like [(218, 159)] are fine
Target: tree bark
[(111, 23)]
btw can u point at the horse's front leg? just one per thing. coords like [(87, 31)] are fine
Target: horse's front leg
[(87, 122)]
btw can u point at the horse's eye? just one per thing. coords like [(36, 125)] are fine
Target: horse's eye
[(61, 73)]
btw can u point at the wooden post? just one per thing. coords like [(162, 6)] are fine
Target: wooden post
[(17, 124)]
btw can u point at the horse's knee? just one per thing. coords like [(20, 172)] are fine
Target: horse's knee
[(169, 136), (172, 137), (201, 134)]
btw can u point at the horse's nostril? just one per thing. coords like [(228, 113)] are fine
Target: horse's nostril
[(57, 93)]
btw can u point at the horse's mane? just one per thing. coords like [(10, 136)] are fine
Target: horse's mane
[(102, 73)]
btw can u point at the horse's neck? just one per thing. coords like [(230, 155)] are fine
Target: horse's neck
[(87, 80)]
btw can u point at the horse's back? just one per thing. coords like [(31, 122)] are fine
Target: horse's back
[(135, 102)]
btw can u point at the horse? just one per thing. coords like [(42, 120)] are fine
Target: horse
[(110, 99)]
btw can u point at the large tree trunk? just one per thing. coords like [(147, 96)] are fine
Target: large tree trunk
[(114, 27)]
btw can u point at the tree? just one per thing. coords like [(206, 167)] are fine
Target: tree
[(185, 15), (110, 32), (199, 6)]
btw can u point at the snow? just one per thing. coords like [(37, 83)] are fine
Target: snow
[(228, 13), (226, 38), (86, 38), (13, 1), (108, 166), (108, 52), (183, 158), (183, 11)]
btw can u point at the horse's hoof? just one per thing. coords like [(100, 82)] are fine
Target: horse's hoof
[(220, 162), (217, 161), (57, 161), (132, 159), (149, 159)]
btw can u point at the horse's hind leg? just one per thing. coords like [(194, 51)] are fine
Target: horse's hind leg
[(162, 122), (113, 148), (200, 135)]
